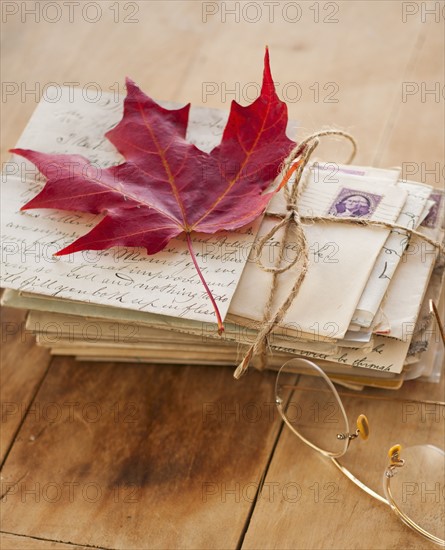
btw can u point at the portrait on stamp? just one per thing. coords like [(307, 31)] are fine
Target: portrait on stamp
[(352, 203)]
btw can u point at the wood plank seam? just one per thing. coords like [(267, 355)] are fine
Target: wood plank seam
[(260, 487), (22, 420), (75, 544)]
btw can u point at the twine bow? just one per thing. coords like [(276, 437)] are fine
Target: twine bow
[(295, 163)]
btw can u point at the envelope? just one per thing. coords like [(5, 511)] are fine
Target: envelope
[(391, 254), (342, 255), (409, 284)]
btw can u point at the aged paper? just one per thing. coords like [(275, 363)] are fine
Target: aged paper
[(325, 303), (391, 254), (165, 283), (409, 284), (387, 355)]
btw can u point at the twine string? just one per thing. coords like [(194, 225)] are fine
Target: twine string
[(294, 163), (291, 220)]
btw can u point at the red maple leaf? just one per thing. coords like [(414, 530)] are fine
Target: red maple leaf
[(166, 185)]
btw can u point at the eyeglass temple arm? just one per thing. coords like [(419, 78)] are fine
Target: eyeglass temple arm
[(359, 483)]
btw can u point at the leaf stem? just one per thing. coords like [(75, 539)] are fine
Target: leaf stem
[(212, 299)]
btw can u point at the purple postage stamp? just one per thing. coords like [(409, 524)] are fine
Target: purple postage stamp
[(431, 218), (352, 203)]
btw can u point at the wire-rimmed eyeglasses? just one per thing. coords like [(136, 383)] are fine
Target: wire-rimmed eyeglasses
[(311, 407)]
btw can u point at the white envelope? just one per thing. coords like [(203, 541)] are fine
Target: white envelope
[(408, 286), (391, 254), (342, 256)]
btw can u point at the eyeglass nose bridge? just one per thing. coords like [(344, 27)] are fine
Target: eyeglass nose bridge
[(362, 430)]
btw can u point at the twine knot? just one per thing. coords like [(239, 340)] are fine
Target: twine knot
[(295, 163)]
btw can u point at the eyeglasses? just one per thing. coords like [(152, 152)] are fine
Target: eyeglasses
[(310, 405)]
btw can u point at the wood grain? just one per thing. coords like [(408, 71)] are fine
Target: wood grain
[(316, 506), (415, 137), (356, 64), (152, 472), (22, 368), (159, 457)]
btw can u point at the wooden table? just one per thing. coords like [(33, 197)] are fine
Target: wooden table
[(124, 456)]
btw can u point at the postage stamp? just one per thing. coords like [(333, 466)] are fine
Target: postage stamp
[(431, 218), (354, 203)]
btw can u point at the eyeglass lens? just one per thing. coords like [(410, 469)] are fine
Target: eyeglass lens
[(312, 408)]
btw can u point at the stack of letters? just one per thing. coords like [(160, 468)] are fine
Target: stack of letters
[(362, 312)]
